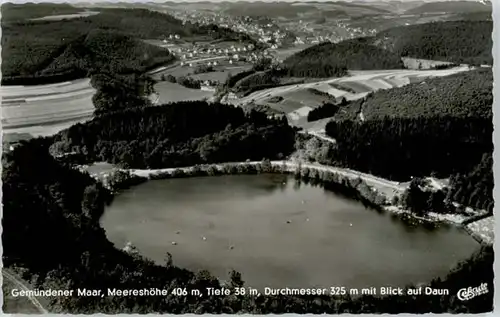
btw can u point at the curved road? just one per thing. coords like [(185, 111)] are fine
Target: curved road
[(369, 179), (23, 287)]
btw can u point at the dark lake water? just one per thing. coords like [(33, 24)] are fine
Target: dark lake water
[(279, 233)]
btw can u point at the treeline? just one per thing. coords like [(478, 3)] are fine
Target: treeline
[(117, 92), (233, 79), (326, 110), (475, 188), (12, 12), (188, 82), (399, 148), (52, 231), (351, 188), (265, 78), (467, 42), (466, 94), (333, 60), (178, 134)]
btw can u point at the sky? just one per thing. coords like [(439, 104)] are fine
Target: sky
[(161, 1)]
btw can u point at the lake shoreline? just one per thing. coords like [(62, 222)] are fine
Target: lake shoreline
[(358, 186)]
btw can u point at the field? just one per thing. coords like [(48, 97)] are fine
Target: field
[(170, 92), (66, 16), (45, 109), (298, 100), (286, 52)]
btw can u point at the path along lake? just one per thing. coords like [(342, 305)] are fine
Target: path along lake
[(279, 233)]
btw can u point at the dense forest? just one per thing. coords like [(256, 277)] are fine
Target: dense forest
[(333, 60), (32, 47), (52, 232), (99, 50), (466, 94), (116, 92), (178, 134), (466, 42), (475, 188), (399, 148)]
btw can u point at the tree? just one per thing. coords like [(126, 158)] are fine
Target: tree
[(414, 198), (168, 260), (235, 279)]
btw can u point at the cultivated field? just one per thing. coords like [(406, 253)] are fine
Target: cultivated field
[(220, 72), (170, 92), (45, 109), (66, 16), (299, 99)]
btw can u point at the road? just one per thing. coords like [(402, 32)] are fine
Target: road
[(291, 166), (23, 287), (371, 80)]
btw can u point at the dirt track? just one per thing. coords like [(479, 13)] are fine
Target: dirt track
[(23, 287)]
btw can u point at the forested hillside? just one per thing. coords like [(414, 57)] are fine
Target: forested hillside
[(30, 47), (468, 42), (100, 50), (333, 60), (179, 134), (51, 230), (466, 94), (475, 188), (399, 148)]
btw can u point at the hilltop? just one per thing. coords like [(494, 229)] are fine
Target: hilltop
[(451, 7), (466, 42), (329, 59), (30, 47), (114, 52), (297, 9)]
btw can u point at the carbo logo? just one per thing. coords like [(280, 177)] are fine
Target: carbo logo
[(471, 292)]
